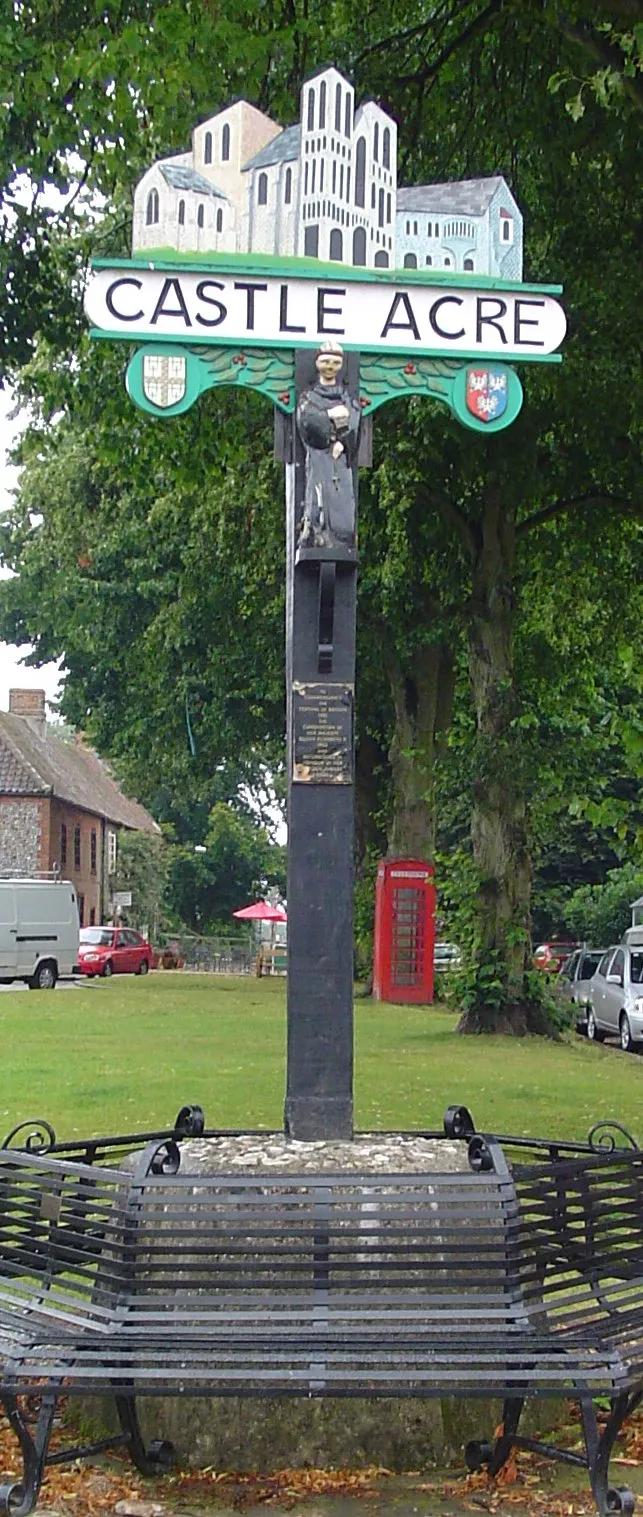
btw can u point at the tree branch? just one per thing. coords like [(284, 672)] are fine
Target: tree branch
[(600, 50), (454, 518), (562, 507)]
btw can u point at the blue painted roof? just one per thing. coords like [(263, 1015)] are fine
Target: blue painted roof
[(463, 197), (180, 177), (282, 149)]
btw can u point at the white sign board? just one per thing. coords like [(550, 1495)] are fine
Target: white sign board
[(122, 898), (273, 310)]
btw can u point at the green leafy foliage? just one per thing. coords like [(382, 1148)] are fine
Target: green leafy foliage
[(600, 914)]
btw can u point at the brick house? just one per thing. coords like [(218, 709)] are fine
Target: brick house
[(60, 808)]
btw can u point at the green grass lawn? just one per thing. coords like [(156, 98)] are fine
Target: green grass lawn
[(127, 1053)]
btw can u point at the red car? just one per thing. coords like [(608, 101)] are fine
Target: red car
[(551, 956), (113, 950)]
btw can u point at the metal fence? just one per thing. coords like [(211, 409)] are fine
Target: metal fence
[(219, 955)]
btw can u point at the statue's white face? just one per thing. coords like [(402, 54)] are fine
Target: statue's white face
[(328, 366)]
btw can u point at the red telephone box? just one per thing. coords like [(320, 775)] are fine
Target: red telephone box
[(404, 931)]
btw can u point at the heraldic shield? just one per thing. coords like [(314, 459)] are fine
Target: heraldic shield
[(164, 379), (486, 393)]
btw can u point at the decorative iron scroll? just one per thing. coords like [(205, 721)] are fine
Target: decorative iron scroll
[(601, 1137), (41, 1136), (190, 1122), (458, 1122)]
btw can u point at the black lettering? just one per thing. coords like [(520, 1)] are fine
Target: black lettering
[(445, 300), (250, 310), (210, 284), (493, 319), (171, 286), (401, 326), (323, 311), (283, 312), (109, 299), (523, 321)]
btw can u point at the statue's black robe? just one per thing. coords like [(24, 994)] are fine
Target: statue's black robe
[(329, 508)]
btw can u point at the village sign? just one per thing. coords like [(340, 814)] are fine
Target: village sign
[(289, 261)]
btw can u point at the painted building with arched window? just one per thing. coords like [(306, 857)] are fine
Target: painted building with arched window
[(324, 188)]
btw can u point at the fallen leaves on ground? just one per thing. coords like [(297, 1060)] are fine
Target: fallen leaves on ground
[(90, 1489)]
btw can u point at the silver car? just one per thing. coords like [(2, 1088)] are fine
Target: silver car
[(616, 997), (573, 981)]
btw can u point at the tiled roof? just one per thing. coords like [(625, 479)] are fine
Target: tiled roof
[(282, 149), (465, 197), (181, 178), (48, 765)]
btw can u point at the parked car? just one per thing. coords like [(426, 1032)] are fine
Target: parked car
[(112, 950), (38, 931), (573, 979), (550, 956), (446, 956), (616, 997)]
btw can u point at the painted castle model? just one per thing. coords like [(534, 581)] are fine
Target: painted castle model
[(325, 189)]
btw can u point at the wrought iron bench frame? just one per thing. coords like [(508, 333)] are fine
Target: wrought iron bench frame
[(81, 1205)]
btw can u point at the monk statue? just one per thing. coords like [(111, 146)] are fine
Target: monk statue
[(328, 420)]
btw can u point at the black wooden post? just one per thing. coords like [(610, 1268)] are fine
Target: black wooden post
[(320, 673)]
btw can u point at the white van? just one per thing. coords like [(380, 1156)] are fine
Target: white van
[(38, 931)]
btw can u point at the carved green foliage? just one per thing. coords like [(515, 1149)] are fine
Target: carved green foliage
[(165, 379), (270, 370), (388, 376)]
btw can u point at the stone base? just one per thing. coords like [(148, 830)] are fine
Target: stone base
[(246, 1434)]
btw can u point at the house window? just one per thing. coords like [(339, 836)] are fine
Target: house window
[(76, 847), (322, 103), (348, 115), (336, 246), (152, 210), (92, 916), (92, 850), (376, 142), (359, 246), (360, 172), (225, 144), (81, 910), (262, 189), (321, 175), (468, 265), (312, 182), (111, 852), (181, 213), (372, 197), (386, 148), (63, 845), (306, 179), (338, 108), (410, 261), (311, 110), (428, 260), (381, 259), (207, 150), (380, 209), (219, 220), (334, 175), (288, 187), (506, 229), (341, 181), (415, 228), (408, 228), (447, 263), (388, 210), (200, 216)]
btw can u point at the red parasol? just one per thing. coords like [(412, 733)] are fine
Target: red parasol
[(262, 911)]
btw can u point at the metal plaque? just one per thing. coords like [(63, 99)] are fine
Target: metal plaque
[(323, 734)]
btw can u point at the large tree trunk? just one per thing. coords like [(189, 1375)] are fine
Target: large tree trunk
[(499, 814), (422, 697)]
